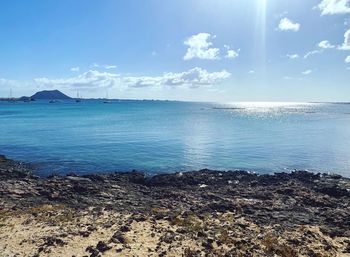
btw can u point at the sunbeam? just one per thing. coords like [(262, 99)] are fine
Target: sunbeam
[(260, 35)]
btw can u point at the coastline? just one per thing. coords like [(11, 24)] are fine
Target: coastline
[(197, 213)]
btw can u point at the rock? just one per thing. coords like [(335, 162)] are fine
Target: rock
[(124, 229), (53, 241), (201, 234), (119, 237), (333, 190), (78, 179), (236, 209), (208, 244), (84, 233), (139, 218), (102, 246), (93, 252), (167, 238)]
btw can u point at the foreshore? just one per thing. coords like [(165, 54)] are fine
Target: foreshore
[(199, 213)]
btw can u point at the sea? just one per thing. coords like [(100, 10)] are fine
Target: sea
[(169, 136)]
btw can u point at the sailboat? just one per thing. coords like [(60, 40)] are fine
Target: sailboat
[(107, 101), (78, 99), (11, 99)]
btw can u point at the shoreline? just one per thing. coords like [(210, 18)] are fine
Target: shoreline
[(197, 213), (34, 168)]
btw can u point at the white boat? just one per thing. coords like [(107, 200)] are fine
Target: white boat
[(107, 101), (78, 99)]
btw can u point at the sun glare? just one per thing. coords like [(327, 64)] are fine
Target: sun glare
[(260, 33)]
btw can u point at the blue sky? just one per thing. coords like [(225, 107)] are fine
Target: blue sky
[(202, 50)]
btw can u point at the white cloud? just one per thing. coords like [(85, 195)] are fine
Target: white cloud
[(231, 53), (94, 80), (196, 77), (286, 24), (289, 78), (104, 66), (251, 72), (75, 69), (307, 55), (108, 67), (88, 80), (199, 46), (293, 56), (307, 72), (7, 82), (325, 44), (347, 59), (7, 85), (346, 44), (292, 78), (193, 78), (330, 7)]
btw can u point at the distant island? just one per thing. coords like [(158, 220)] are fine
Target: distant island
[(50, 95), (41, 95)]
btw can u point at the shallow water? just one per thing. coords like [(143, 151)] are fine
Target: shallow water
[(160, 136)]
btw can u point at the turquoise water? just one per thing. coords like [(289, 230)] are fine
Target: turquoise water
[(160, 136)]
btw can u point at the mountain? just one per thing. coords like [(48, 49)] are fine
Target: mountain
[(50, 95)]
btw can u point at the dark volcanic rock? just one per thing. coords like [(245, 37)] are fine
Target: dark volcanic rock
[(93, 252), (333, 190), (118, 237), (12, 169), (286, 199), (102, 246)]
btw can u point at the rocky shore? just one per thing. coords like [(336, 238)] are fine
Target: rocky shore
[(200, 213)]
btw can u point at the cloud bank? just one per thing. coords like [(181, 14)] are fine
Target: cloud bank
[(88, 80), (94, 80)]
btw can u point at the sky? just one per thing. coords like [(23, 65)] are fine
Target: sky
[(192, 50)]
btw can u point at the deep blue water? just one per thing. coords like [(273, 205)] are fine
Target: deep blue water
[(160, 136)]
